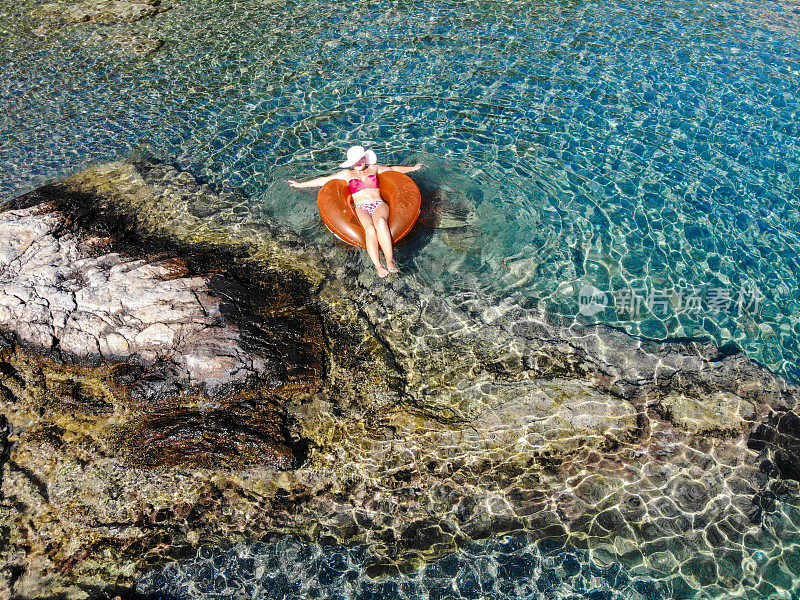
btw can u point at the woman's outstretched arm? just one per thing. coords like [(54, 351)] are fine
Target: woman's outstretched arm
[(400, 169), (317, 182)]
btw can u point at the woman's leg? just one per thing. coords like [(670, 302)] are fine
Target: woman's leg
[(372, 241), (380, 219)]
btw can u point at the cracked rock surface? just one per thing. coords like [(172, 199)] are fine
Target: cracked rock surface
[(56, 295)]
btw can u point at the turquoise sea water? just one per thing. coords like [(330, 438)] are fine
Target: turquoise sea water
[(646, 152)]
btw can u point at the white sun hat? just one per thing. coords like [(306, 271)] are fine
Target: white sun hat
[(356, 153)]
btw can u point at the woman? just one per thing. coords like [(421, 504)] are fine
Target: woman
[(360, 171)]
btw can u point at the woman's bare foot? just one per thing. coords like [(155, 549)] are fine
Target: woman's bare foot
[(381, 272), (392, 268)]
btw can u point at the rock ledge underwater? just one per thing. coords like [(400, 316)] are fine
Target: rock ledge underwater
[(173, 374)]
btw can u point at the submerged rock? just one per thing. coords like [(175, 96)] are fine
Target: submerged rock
[(718, 413), (130, 44), (446, 209), (104, 12), (179, 375)]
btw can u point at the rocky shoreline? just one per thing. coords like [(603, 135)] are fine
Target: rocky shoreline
[(169, 378)]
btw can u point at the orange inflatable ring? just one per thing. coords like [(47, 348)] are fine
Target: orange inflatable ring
[(397, 189)]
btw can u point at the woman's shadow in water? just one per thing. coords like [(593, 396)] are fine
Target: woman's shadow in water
[(445, 193)]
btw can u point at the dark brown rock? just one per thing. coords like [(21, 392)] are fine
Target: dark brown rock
[(241, 433), (779, 438)]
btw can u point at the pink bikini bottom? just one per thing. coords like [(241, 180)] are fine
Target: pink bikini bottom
[(369, 206)]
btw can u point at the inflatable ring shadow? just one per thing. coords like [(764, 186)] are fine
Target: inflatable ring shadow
[(397, 189)]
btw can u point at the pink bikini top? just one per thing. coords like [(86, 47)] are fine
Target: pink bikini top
[(356, 185)]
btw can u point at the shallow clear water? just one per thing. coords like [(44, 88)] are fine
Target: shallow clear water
[(510, 567), (650, 150)]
